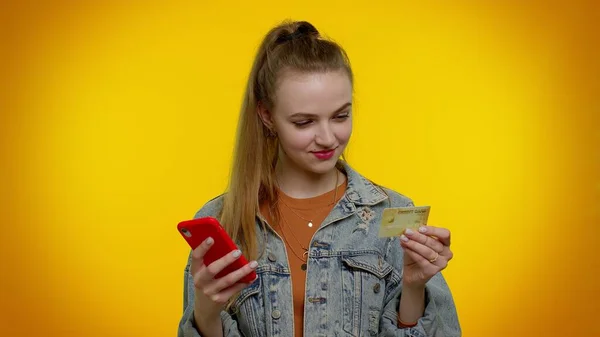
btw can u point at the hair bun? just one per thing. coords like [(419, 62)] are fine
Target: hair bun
[(303, 29), (306, 28)]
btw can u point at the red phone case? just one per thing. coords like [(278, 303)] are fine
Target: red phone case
[(195, 231)]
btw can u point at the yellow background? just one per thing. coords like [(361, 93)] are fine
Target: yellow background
[(117, 121)]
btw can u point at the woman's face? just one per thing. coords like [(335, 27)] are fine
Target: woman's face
[(312, 118)]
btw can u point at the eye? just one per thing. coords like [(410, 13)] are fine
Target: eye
[(343, 116), (302, 123)]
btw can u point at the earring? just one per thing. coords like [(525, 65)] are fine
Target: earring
[(271, 133)]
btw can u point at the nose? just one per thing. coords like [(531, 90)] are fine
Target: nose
[(324, 136)]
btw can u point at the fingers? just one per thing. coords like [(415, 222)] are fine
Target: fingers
[(199, 252), (225, 295), (425, 252), (425, 240), (207, 273), (214, 288), (442, 234), (417, 258), (424, 256)]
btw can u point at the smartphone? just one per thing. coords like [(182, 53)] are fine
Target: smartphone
[(195, 231)]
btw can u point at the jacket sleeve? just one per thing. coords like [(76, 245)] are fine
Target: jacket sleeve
[(187, 327), (439, 319)]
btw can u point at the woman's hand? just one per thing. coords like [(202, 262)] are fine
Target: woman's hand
[(426, 253), (212, 294)]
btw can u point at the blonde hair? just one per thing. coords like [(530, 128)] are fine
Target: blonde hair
[(290, 46)]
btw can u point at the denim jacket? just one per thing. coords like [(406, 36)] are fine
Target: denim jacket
[(353, 279)]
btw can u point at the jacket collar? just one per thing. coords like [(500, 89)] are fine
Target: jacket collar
[(360, 190), (360, 193)]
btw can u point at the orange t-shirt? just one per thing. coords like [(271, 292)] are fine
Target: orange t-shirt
[(293, 228)]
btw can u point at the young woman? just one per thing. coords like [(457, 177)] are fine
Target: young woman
[(307, 221)]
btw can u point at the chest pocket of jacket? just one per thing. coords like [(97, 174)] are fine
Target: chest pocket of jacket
[(246, 309), (363, 292)]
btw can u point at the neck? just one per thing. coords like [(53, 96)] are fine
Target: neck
[(298, 183)]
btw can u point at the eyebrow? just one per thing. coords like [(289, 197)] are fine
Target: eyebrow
[(338, 110)]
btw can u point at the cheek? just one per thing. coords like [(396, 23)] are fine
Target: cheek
[(343, 133), (298, 140)]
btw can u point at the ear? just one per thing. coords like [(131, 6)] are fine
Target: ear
[(265, 116)]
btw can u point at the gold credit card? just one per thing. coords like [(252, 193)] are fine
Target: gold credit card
[(395, 221)]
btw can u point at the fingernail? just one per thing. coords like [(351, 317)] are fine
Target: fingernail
[(236, 253), (409, 231), (209, 241), (253, 264), (403, 238), (422, 229)]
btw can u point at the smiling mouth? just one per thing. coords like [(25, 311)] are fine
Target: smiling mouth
[(325, 154), (325, 151)]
